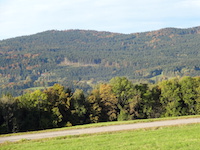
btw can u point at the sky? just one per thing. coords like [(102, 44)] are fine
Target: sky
[(26, 17)]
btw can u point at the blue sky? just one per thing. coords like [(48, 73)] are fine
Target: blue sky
[(25, 17)]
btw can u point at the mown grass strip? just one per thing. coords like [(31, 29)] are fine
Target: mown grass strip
[(102, 124)]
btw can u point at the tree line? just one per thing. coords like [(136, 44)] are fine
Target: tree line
[(117, 100)]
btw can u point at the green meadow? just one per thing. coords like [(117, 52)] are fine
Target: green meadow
[(182, 137)]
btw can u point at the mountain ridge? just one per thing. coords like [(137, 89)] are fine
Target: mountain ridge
[(69, 30)]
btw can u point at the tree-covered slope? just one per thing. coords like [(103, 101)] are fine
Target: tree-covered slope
[(81, 55)]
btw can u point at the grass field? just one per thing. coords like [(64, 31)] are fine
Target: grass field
[(184, 137), (37, 88)]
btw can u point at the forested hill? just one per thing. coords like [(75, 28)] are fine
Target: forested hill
[(83, 55)]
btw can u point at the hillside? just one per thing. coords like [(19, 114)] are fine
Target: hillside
[(80, 57)]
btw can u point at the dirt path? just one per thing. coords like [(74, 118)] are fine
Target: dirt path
[(100, 129)]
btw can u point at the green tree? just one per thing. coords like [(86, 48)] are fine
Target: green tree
[(28, 113), (189, 89), (59, 99), (34, 111), (171, 98), (78, 107), (149, 105), (126, 96), (197, 105), (8, 108)]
